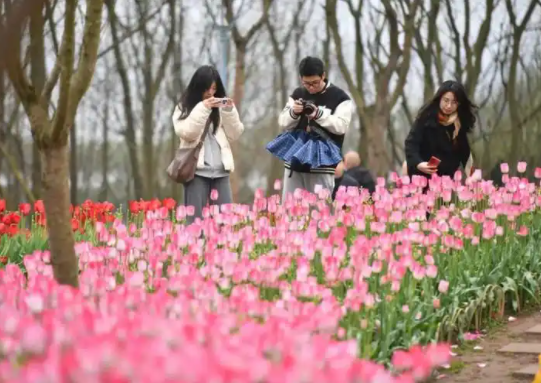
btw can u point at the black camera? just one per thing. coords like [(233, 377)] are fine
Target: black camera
[(308, 107)]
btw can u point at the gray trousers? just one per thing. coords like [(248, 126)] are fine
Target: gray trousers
[(307, 181), (197, 193)]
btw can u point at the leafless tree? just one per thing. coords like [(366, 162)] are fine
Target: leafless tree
[(51, 133), (374, 117)]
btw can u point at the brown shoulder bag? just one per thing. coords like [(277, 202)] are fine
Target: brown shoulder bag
[(182, 168)]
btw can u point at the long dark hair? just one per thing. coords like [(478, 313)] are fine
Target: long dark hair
[(466, 109), (201, 81)]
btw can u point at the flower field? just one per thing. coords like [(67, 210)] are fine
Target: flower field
[(366, 290)]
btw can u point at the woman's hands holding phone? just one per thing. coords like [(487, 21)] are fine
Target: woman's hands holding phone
[(213, 102), (426, 168)]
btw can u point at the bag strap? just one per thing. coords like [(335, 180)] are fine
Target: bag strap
[(205, 131), (321, 132)]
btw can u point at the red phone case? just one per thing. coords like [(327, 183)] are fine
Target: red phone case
[(434, 161)]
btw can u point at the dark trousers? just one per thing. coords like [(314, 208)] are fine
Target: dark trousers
[(197, 193)]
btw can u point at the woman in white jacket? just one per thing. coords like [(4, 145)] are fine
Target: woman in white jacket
[(205, 98)]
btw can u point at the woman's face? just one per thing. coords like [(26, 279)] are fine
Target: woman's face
[(210, 92), (448, 103)]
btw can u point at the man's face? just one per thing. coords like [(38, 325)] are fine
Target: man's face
[(313, 84)]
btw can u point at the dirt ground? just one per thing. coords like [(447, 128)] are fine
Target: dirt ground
[(499, 367)]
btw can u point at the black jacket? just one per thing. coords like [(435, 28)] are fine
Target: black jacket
[(337, 182), (433, 139), (359, 177)]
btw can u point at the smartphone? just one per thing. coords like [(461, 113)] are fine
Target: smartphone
[(222, 101), (434, 161)]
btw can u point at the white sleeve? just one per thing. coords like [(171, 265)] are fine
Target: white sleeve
[(231, 124), (191, 128), (287, 119), (337, 122)]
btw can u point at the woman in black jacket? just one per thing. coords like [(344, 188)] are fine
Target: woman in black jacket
[(440, 130)]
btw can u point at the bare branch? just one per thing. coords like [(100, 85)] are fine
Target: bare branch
[(87, 57), (237, 37), (160, 74), (16, 16), (66, 58), (142, 23)]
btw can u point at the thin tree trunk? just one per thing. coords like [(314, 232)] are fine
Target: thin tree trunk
[(363, 140), (38, 77), (16, 173), (52, 135), (105, 151), (129, 133), (276, 168), (36, 171), (57, 209), (238, 95), (73, 165), (148, 148)]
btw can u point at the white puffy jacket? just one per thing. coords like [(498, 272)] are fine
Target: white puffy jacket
[(190, 130)]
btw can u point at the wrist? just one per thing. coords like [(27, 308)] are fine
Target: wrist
[(293, 114)]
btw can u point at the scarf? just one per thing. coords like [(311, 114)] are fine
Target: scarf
[(447, 120)]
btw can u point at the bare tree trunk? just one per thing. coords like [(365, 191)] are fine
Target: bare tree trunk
[(178, 88), (241, 45), (375, 118), (364, 140), (514, 106), (73, 165), (129, 132), (238, 94), (52, 134), (38, 77), (56, 197), (276, 168), (279, 50), (105, 148)]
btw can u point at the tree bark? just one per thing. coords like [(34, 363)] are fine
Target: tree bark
[(279, 49), (57, 210), (514, 105), (238, 95), (73, 165), (38, 77), (375, 118), (51, 135), (105, 148), (241, 44), (178, 88), (129, 132)]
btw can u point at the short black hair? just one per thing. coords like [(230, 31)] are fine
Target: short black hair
[(311, 66)]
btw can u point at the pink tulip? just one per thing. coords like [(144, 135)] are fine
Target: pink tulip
[(521, 166), (253, 289), (443, 286)]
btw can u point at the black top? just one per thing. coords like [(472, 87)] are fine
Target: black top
[(328, 98), (361, 177), (434, 139)]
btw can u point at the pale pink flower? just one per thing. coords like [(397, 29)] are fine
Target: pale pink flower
[(521, 166), (443, 286)]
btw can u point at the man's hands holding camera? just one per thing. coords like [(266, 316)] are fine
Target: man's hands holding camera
[(306, 108)]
